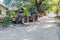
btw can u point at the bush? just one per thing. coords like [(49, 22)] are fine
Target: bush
[(6, 20)]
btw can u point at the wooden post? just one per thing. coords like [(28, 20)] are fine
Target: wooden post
[(28, 19), (33, 17)]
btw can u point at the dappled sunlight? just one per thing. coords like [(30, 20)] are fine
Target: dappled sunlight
[(31, 29), (47, 26), (57, 20), (25, 39), (52, 14), (42, 18), (49, 18), (50, 21)]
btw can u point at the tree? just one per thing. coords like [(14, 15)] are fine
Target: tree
[(41, 5)]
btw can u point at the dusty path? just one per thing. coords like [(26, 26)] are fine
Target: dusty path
[(45, 29)]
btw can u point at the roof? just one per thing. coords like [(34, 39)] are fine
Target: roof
[(4, 6)]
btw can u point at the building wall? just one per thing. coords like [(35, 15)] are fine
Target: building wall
[(3, 12)]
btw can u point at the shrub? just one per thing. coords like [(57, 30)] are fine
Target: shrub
[(6, 20)]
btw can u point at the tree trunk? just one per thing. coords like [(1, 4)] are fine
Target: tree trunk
[(38, 5)]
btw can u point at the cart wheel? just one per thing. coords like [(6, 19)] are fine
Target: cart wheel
[(28, 19), (36, 18)]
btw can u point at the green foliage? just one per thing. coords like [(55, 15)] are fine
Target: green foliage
[(33, 9), (50, 5), (26, 12), (11, 13), (47, 5), (28, 9), (6, 20)]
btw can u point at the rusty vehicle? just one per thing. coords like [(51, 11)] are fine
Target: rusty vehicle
[(24, 19)]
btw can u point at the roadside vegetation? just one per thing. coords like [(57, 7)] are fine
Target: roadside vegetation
[(28, 10)]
